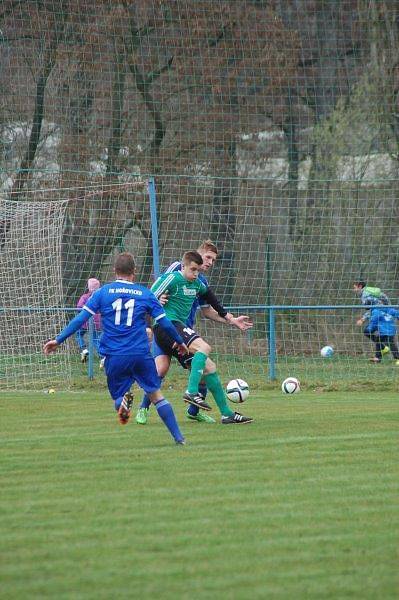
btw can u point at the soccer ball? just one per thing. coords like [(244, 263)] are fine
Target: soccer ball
[(327, 351), (237, 390), (291, 385)]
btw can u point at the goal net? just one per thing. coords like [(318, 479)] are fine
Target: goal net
[(50, 245), (31, 284), (294, 252)]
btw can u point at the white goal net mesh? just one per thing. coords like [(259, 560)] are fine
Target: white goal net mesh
[(31, 284), (51, 243)]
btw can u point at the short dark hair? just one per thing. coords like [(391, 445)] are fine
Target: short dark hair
[(361, 284), (124, 264), (192, 256)]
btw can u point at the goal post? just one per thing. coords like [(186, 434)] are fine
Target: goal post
[(51, 243)]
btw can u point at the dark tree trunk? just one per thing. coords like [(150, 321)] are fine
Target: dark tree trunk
[(118, 91), (289, 128), (50, 57), (223, 229)]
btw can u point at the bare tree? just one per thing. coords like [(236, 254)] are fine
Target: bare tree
[(48, 23)]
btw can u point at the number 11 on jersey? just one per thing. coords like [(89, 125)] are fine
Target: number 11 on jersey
[(129, 306)]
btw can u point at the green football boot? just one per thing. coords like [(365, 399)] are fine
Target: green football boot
[(200, 417), (142, 415)]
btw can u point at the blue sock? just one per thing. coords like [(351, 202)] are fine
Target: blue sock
[(117, 403), (145, 403), (167, 415), (194, 410)]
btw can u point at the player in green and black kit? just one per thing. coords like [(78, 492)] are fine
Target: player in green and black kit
[(183, 287)]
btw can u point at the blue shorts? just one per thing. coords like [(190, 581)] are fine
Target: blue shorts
[(156, 350), (124, 370)]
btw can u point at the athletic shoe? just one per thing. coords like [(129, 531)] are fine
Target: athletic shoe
[(375, 360), (201, 417), (124, 409), (236, 419), (142, 415), (196, 400), (181, 442), (385, 350), (102, 361), (84, 355)]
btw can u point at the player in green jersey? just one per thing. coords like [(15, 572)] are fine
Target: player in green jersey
[(182, 288)]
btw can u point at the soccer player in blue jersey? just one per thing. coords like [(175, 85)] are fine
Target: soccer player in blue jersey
[(382, 330), (370, 296), (208, 253), (124, 307)]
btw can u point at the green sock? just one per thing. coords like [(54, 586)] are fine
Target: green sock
[(215, 387), (197, 371)]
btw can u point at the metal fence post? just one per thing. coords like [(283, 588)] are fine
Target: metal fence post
[(272, 343), (154, 226)]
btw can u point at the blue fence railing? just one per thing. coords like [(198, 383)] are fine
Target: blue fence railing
[(269, 311)]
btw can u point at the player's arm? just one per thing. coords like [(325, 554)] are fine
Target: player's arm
[(89, 310), (70, 329), (158, 314), (175, 266), (208, 296), (365, 317), (174, 334), (161, 286), (372, 325), (242, 322)]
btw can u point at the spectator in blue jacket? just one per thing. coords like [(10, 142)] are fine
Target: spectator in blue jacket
[(381, 329)]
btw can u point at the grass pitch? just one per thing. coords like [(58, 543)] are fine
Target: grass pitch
[(302, 503)]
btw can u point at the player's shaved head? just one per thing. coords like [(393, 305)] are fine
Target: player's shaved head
[(192, 256), (124, 264)]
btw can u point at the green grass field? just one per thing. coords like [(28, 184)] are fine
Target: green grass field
[(302, 503), (342, 372)]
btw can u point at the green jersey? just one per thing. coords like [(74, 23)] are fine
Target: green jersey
[(181, 294)]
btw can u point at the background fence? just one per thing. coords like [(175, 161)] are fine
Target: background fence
[(270, 127), (285, 341)]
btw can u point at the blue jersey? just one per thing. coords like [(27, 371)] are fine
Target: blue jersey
[(372, 296), (198, 302), (383, 321), (123, 306)]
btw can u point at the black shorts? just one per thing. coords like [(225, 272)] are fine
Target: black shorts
[(166, 343)]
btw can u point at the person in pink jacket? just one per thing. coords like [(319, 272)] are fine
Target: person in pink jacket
[(93, 284)]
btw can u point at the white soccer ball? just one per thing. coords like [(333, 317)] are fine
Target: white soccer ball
[(237, 390), (327, 351), (291, 385)]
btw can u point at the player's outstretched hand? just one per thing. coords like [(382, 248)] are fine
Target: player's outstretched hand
[(242, 322), (359, 322), (163, 298), (182, 349), (50, 346)]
